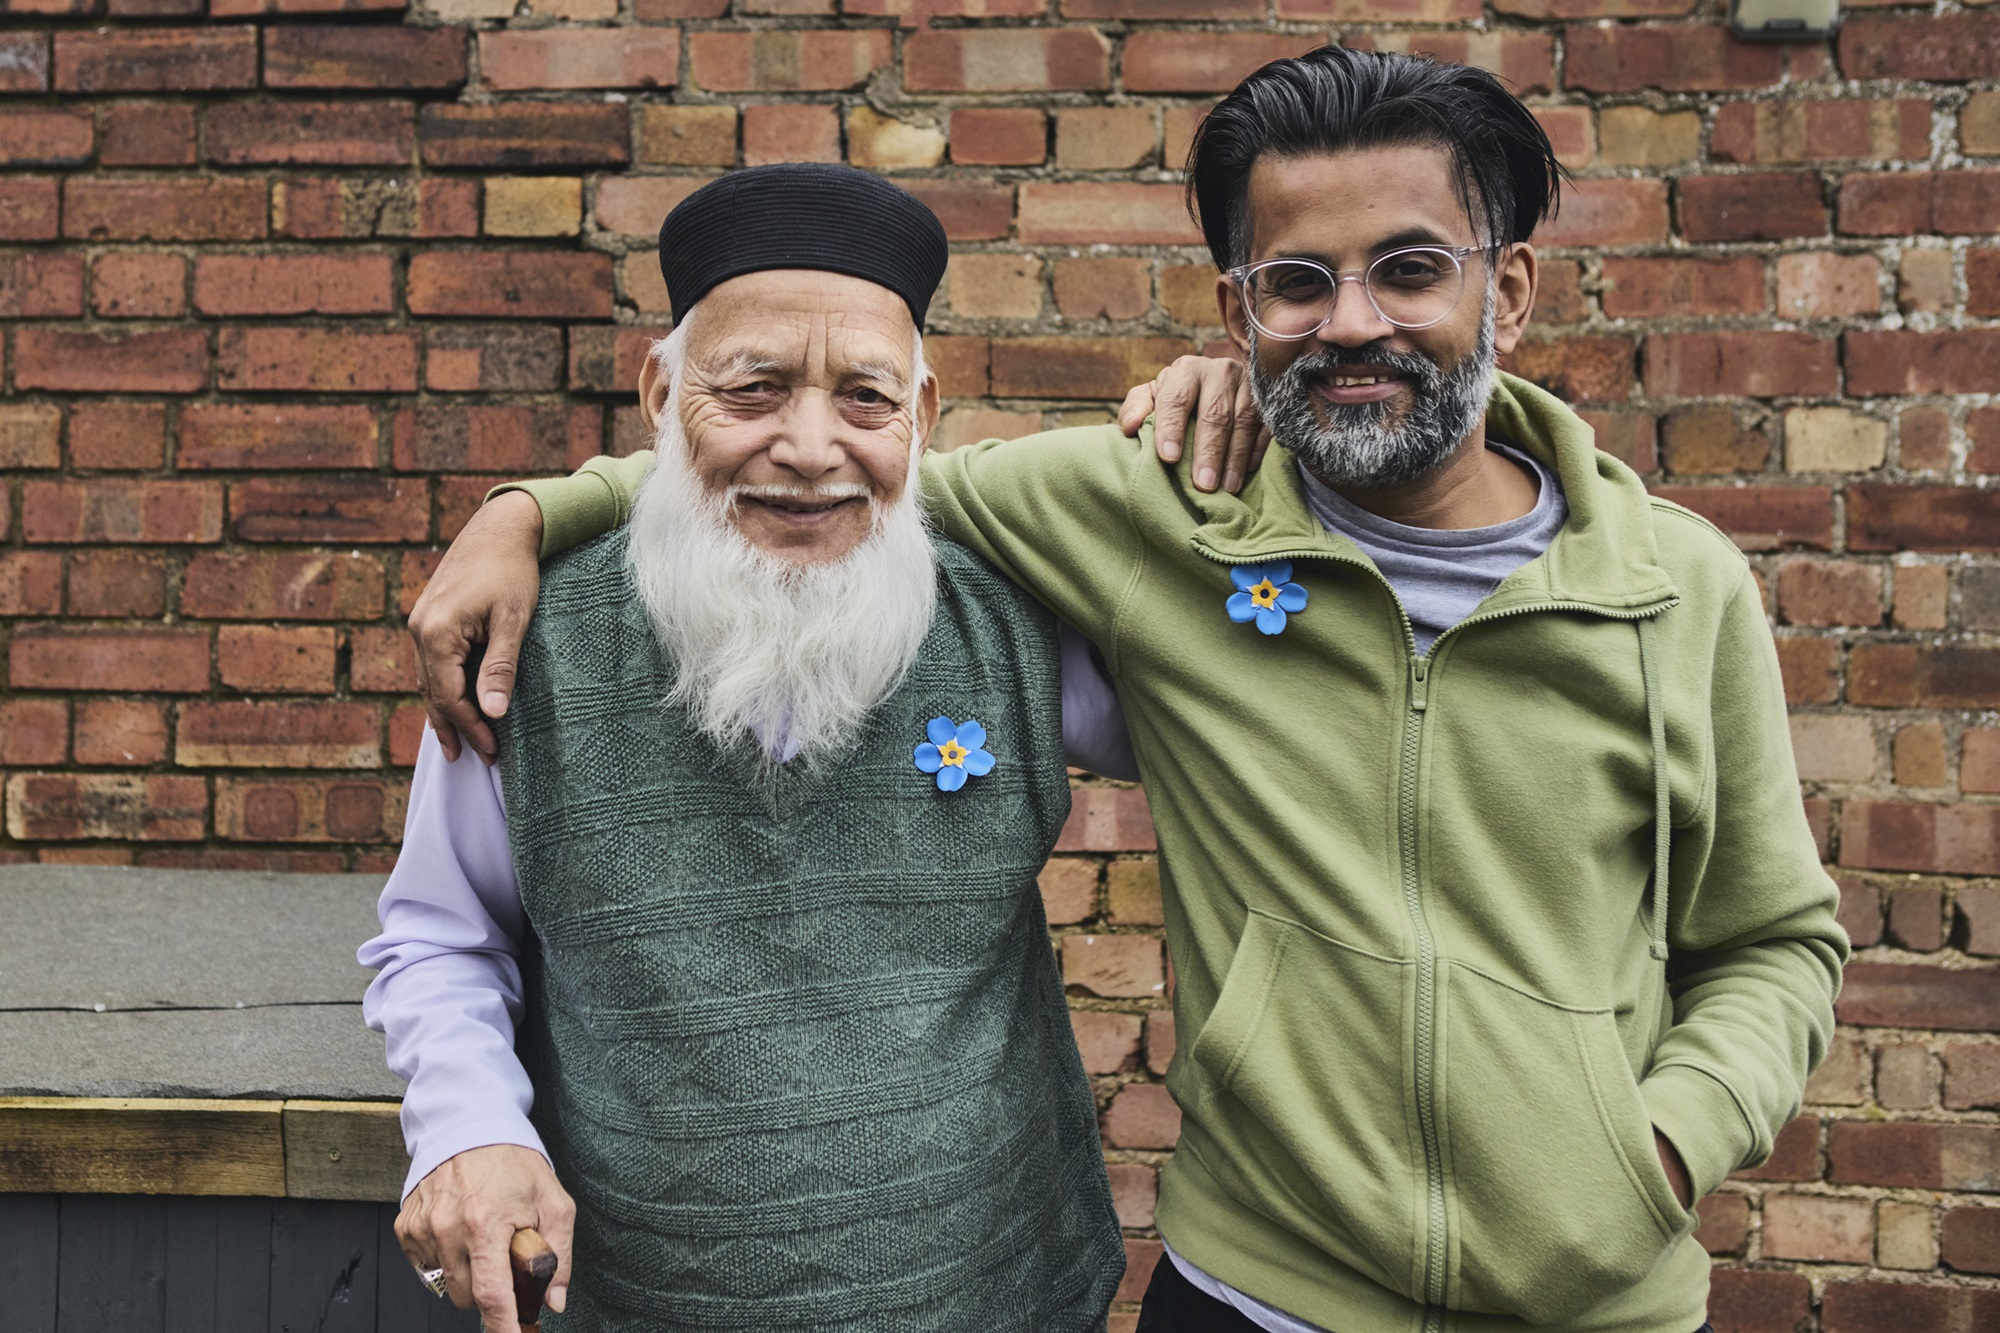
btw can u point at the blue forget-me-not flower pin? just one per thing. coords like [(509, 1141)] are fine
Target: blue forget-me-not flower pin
[(954, 751), (1266, 594)]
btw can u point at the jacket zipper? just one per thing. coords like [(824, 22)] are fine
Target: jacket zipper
[(1435, 1248)]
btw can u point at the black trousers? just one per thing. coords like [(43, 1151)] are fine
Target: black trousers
[(1175, 1305)]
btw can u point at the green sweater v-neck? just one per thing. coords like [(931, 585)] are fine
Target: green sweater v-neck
[(1425, 1039)]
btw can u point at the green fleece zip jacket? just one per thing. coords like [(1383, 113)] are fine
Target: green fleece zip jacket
[(1430, 1005)]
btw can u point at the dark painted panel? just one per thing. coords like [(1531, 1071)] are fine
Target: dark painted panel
[(243, 1276), (112, 1272), (194, 1264), (28, 1251), (323, 1266)]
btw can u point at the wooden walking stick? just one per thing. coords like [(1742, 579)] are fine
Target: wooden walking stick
[(534, 1268)]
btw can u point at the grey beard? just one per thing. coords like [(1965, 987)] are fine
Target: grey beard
[(1358, 445)]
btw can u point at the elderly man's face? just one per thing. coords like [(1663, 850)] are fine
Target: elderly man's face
[(798, 397)]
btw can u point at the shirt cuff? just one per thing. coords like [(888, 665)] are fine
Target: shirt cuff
[(440, 1146), (1701, 1118), (574, 509)]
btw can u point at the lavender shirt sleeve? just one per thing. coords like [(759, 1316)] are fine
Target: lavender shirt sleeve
[(448, 993)]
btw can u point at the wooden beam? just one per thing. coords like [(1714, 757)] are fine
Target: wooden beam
[(121, 1145), (344, 1150)]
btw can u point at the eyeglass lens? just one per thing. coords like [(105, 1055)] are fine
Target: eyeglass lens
[(1292, 298)]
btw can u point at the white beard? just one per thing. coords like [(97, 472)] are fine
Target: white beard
[(792, 655)]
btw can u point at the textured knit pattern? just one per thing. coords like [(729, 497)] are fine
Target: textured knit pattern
[(799, 1045)]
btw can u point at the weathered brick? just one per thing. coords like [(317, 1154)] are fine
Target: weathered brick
[(1903, 1236), (1141, 1258), (166, 361), (30, 435), (1635, 136), (1917, 755), (888, 143), (1842, 1079), (1922, 518), (999, 136), (1650, 288), (1820, 131), (121, 732), (1580, 368), (1607, 212), (995, 286), (1943, 48), (524, 134), (45, 136), (1833, 439), (687, 136), (1109, 288), (1951, 203), (36, 731), (319, 360), (1526, 60), (30, 583), (1765, 207), (370, 57), (330, 509), (1972, 1077), (1822, 285), (1979, 912), (264, 659), (117, 581), (1802, 1226), (146, 60), (1914, 1155), (362, 207), (969, 210), (196, 209), (290, 284), (1108, 1043), (309, 809), (494, 439), (282, 585), (1833, 748), (1892, 675), (1004, 60), (1916, 995), (1900, 361), (24, 62), (783, 133), (277, 735), (1762, 518), (1069, 895), (151, 661), (29, 208), (580, 58), (276, 435), (533, 206), (1746, 363), (136, 807), (140, 284), (1760, 1301), (1108, 819), (1078, 367), (1830, 592), (1135, 1192), (1158, 61), (607, 360), (1085, 213), (499, 358), (147, 134), (791, 60), (1725, 1223), (1916, 923), (961, 426), (355, 134), (1671, 57), (1923, 594), (1142, 1115), (511, 284), (1105, 138), (120, 510)]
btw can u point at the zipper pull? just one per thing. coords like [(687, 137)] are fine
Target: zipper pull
[(1420, 688)]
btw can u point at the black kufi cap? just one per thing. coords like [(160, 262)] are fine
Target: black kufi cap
[(802, 215)]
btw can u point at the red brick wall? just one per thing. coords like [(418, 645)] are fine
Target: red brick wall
[(288, 283)]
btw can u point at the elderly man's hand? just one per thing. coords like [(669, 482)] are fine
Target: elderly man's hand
[(462, 1216), (1229, 436), (483, 592)]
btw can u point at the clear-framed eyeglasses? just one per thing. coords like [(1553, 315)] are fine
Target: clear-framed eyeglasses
[(1412, 288)]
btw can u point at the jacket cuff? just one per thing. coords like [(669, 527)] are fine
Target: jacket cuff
[(574, 508), (440, 1146), (1701, 1118)]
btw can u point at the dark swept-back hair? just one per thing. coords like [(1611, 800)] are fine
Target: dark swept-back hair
[(1333, 99)]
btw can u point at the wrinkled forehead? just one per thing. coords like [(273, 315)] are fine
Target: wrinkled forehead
[(806, 323)]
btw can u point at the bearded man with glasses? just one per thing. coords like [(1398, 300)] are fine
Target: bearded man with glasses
[(1499, 931)]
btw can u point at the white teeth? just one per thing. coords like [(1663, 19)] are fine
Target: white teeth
[(1356, 381)]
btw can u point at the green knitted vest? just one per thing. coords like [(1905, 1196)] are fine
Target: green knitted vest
[(798, 1041)]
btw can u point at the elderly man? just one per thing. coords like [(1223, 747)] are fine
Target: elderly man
[(1499, 932), (756, 931)]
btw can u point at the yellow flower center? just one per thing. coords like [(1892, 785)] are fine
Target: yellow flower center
[(1264, 594), (952, 754)]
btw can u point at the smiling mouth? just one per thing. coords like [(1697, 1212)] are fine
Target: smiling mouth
[(803, 508)]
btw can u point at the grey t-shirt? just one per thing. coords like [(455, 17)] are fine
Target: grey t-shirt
[(1440, 574)]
